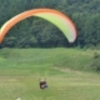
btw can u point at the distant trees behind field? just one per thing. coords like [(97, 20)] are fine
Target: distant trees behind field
[(36, 32)]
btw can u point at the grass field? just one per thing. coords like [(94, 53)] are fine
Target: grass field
[(67, 72)]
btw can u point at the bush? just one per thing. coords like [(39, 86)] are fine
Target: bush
[(96, 62)]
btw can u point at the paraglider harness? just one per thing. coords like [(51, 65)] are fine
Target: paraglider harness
[(43, 84)]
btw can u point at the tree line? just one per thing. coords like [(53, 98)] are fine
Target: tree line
[(36, 32)]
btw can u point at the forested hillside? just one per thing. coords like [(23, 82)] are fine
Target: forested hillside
[(36, 32)]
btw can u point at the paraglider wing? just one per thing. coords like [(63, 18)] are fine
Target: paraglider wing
[(57, 18)]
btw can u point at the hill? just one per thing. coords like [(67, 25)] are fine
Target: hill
[(67, 72), (60, 58)]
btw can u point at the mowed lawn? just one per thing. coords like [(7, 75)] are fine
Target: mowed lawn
[(21, 69)]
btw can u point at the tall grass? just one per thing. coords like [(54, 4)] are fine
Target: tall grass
[(59, 57)]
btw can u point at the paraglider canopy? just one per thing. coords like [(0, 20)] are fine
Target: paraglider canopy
[(57, 18)]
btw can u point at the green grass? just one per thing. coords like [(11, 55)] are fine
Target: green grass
[(68, 74)]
